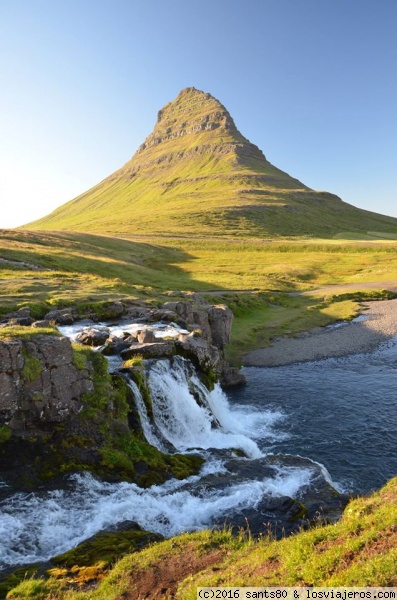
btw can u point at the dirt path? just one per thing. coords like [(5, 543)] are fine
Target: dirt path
[(348, 287), (379, 325), (326, 289)]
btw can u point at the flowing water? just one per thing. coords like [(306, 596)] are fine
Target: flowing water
[(339, 412)]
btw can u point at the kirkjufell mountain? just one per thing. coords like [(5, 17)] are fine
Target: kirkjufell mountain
[(196, 174)]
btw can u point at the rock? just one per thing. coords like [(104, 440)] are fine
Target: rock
[(146, 337), (231, 376), (93, 336), (61, 317), (24, 321), (199, 351), (165, 315), (21, 313), (39, 383), (139, 312), (42, 323), (156, 350), (114, 345), (220, 320), (278, 516), (113, 311)]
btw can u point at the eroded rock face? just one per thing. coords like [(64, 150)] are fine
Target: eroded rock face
[(39, 383), (199, 351), (220, 320), (214, 322)]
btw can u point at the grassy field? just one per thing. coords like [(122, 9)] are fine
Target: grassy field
[(359, 550), (260, 280)]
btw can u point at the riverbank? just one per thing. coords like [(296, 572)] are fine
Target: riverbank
[(377, 325)]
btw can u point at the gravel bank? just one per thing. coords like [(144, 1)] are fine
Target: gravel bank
[(378, 325)]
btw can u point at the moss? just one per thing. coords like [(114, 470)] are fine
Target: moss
[(5, 433), (106, 547), (300, 513), (32, 366), (79, 358), (138, 376), (26, 333), (135, 361), (11, 580), (209, 378), (37, 589)]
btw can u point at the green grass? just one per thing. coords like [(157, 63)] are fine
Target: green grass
[(90, 271)]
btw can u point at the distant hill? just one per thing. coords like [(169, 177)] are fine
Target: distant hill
[(197, 174)]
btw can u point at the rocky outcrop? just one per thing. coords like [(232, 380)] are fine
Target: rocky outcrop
[(61, 411), (209, 327), (202, 354), (39, 383)]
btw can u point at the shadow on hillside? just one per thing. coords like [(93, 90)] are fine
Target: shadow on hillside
[(128, 263)]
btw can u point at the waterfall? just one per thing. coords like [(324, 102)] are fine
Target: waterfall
[(191, 417)]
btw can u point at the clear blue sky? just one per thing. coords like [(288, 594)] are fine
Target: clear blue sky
[(313, 83)]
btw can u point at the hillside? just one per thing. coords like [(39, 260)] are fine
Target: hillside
[(196, 174)]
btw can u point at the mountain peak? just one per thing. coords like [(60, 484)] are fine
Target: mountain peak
[(192, 112), (197, 174)]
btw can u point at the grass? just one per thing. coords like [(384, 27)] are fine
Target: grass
[(359, 550), (257, 279)]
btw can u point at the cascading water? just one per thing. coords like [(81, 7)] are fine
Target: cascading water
[(191, 417)]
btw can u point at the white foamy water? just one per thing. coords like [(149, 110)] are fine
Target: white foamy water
[(160, 330), (36, 527), (189, 416)]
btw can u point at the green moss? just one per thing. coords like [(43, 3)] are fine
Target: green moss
[(13, 579), (5, 433), (25, 333), (209, 378), (80, 359), (37, 589), (32, 367), (135, 361), (138, 376), (106, 548)]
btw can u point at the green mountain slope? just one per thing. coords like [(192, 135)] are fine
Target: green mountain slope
[(196, 174)]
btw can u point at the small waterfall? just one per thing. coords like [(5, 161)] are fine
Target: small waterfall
[(191, 417)]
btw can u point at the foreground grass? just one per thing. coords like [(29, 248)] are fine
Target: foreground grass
[(359, 550)]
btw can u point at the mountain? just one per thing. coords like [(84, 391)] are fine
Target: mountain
[(197, 174)]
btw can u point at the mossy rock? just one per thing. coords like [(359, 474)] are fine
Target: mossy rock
[(107, 546)]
